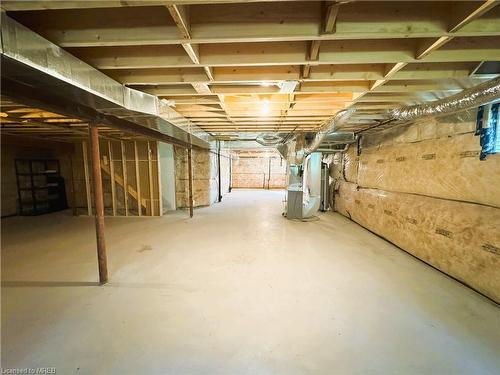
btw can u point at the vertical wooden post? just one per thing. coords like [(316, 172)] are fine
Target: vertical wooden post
[(150, 176), (87, 182), (137, 180), (125, 182), (112, 177), (73, 189), (99, 204), (190, 182)]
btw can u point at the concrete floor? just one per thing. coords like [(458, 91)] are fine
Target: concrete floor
[(237, 289)]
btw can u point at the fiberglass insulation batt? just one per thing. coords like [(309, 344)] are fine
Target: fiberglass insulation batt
[(424, 188)]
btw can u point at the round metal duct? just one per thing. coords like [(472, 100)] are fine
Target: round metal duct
[(268, 139)]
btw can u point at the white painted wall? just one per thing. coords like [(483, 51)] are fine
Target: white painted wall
[(167, 176)]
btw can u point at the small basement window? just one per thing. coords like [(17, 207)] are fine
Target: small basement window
[(487, 124)]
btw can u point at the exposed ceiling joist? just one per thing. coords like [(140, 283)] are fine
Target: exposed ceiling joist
[(223, 63)]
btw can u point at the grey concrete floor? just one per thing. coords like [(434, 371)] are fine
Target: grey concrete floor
[(237, 289)]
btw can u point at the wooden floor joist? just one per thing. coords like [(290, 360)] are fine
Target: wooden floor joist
[(205, 55)]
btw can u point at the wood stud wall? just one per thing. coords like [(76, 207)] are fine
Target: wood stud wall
[(130, 167)]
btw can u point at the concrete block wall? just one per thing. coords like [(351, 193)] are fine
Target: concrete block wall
[(424, 188)]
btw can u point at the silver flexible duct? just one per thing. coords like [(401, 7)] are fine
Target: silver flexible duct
[(269, 139), (289, 149), (466, 99), (469, 98), (338, 120)]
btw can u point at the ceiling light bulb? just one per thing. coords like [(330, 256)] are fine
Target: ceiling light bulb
[(265, 109)]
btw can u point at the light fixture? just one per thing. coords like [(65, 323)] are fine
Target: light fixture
[(267, 84), (287, 87), (265, 108)]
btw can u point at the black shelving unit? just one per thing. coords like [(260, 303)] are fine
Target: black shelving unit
[(40, 186)]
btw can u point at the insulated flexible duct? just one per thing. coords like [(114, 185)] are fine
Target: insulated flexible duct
[(466, 99), (469, 98)]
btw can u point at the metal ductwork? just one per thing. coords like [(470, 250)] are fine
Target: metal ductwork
[(470, 98), (466, 99), (39, 72), (269, 139), (340, 118), (295, 151)]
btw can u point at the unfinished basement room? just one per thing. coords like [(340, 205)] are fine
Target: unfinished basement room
[(250, 187)]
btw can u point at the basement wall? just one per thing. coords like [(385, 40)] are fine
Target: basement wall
[(28, 148), (424, 188), (129, 164), (261, 170), (167, 176), (205, 176)]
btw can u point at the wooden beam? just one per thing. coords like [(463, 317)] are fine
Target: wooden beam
[(193, 52), (332, 11), (16, 5), (180, 15), (202, 88), (209, 73), (292, 53), (426, 47), (390, 71), (393, 69), (259, 74), (460, 20), (256, 22), (476, 68), (99, 204), (314, 50), (306, 71)]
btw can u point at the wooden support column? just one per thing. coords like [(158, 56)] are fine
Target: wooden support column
[(190, 182), (112, 177), (125, 182), (137, 180), (73, 189), (150, 177), (99, 204), (87, 180)]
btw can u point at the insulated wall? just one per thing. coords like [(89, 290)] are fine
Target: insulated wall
[(205, 176), (424, 188), (264, 170)]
